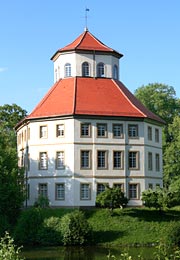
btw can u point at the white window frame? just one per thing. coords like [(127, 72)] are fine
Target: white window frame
[(100, 70), (43, 161), (43, 131), (43, 189), (60, 191), (102, 159), (60, 130), (133, 131), (134, 191), (102, 130), (117, 130), (115, 72), (117, 159), (133, 160), (67, 69), (60, 160), (85, 69), (85, 191), (85, 159), (85, 130)]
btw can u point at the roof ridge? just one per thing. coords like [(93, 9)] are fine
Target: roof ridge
[(129, 100), (97, 40), (83, 35)]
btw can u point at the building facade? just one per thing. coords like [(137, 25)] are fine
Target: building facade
[(89, 131)]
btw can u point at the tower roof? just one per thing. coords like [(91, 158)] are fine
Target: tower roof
[(91, 96), (87, 42)]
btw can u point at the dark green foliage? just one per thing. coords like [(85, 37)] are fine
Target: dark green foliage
[(111, 198), (75, 229), (173, 234), (26, 231), (50, 232), (4, 225), (41, 202)]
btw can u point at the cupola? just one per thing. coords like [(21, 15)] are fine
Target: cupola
[(86, 56)]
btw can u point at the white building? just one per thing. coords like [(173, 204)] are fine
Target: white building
[(89, 130)]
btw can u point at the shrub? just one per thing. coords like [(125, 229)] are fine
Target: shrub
[(8, 250), (27, 226), (4, 225), (75, 229), (173, 234), (41, 202), (50, 232), (111, 198)]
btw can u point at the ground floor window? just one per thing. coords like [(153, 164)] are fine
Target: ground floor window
[(85, 191), (43, 191), (101, 187), (60, 191), (119, 185), (134, 191)]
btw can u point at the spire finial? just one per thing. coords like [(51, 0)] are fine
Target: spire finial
[(86, 18)]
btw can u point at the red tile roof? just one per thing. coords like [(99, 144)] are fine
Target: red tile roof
[(87, 42), (91, 96)]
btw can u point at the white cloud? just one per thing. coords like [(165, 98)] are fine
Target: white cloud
[(2, 69)]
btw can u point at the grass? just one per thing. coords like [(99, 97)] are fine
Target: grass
[(125, 227)]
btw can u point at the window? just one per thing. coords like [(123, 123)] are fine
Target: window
[(100, 70), (133, 131), (119, 185), (43, 131), (67, 70), (150, 162), (102, 159), (60, 130), (60, 160), (101, 130), (60, 191), (149, 133), (115, 72), (85, 191), (56, 75), (157, 162), (157, 135), (133, 191), (150, 186), (43, 190), (85, 69), (85, 130), (101, 187), (133, 160), (85, 159), (43, 161), (117, 160), (117, 130)]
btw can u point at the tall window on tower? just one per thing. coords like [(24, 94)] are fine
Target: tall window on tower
[(85, 69), (67, 70), (100, 70), (115, 72)]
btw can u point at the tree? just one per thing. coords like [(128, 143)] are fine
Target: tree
[(160, 99), (11, 178), (111, 198), (172, 153)]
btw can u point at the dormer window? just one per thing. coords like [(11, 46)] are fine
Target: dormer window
[(85, 69), (115, 72), (67, 70), (100, 70)]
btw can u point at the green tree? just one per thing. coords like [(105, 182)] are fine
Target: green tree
[(111, 198), (11, 178), (172, 153)]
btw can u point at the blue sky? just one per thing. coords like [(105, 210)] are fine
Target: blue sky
[(147, 32)]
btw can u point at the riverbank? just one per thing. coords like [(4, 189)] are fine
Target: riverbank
[(132, 227)]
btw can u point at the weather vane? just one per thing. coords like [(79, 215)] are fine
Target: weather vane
[(86, 17)]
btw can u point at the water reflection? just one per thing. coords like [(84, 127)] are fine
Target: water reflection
[(83, 253)]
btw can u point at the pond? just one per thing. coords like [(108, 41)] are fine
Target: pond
[(84, 253)]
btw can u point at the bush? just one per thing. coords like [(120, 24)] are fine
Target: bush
[(111, 198), (8, 251), (4, 225), (27, 227), (75, 229), (41, 202), (50, 232), (173, 234)]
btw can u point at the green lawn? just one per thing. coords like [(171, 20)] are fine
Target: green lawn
[(131, 226)]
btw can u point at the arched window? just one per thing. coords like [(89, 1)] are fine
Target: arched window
[(67, 70), (85, 69), (100, 70), (115, 72)]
